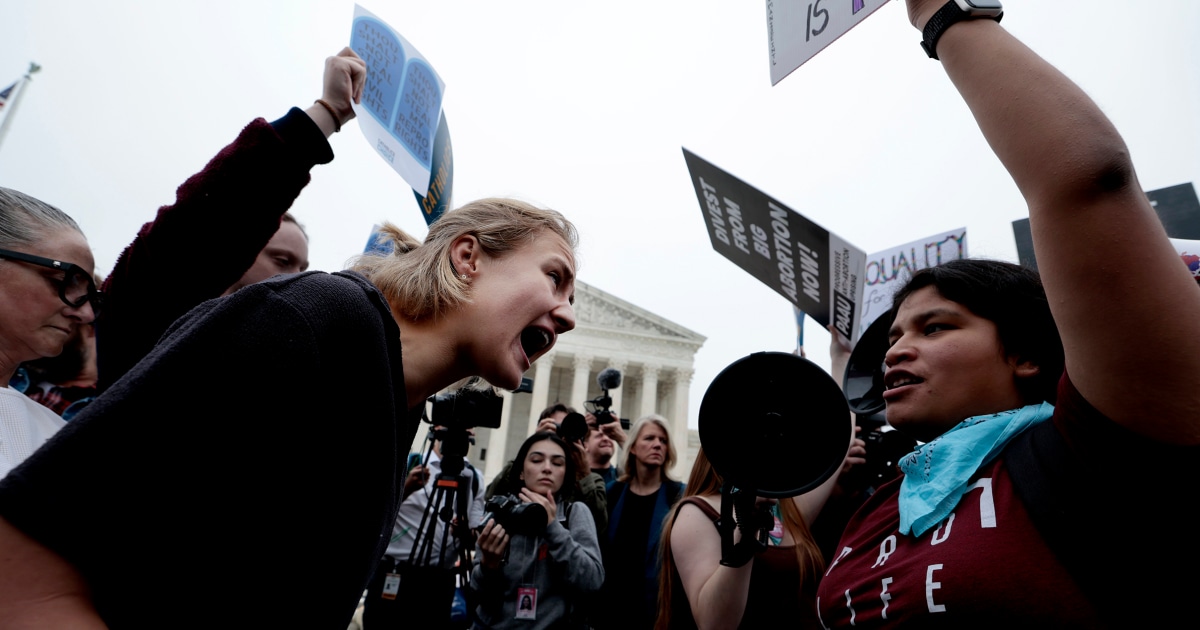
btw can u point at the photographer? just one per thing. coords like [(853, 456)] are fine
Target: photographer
[(548, 421), (590, 486), (602, 443), (418, 591), (537, 545)]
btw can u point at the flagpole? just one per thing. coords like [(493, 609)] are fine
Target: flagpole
[(15, 100)]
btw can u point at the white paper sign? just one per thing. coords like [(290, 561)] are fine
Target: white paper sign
[(889, 269), (402, 100), (799, 29)]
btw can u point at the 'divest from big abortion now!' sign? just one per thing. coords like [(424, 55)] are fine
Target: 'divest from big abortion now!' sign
[(816, 270)]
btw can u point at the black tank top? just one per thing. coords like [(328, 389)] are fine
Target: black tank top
[(776, 595)]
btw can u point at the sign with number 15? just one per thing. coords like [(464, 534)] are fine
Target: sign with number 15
[(799, 29)]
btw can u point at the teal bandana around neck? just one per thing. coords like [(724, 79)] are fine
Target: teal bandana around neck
[(936, 474)]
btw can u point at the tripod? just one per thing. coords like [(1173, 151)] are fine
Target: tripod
[(447, 505)]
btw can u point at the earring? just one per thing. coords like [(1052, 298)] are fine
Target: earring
[(463, 276)]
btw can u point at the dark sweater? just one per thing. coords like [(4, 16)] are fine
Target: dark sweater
[(196, 248), (227, 473)]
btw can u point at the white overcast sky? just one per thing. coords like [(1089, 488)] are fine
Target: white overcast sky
[(583, 107)]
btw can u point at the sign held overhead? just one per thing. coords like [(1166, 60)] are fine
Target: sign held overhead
[(816, 270), (799, 29)]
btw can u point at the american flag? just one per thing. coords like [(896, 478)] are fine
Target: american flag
[(6, 93)]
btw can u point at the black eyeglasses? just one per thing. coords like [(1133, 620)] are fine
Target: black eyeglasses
[(76, 287)]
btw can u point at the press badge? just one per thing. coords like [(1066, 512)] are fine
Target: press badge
[(391, 586), (526, 602)]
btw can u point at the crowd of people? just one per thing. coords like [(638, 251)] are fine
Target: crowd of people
[(1056, 414)]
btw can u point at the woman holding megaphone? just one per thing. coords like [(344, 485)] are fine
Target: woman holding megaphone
[(697, 591)]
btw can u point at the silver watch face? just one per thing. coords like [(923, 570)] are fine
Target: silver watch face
[(984, 5)]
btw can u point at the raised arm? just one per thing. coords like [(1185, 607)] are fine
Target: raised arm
[(232, 207), (1124, 304)]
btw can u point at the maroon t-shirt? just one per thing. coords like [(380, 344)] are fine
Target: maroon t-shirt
[(986, 565)]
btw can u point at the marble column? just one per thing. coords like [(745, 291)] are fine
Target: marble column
[(541, 391), (679, 419), (649, 389), (579, 386), (498, 439)]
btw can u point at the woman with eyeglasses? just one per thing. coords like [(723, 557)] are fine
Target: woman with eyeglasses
[(254, 459), (46, 293)]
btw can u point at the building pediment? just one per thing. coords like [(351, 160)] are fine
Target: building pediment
[(601, 310)]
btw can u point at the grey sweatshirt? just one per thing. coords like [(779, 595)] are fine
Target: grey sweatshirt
[(570, 569)]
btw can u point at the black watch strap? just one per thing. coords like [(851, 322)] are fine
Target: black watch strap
[(950, 13)]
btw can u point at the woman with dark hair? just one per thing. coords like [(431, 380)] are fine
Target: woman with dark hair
[(46, 296), (286, 493), (547, 564), (994, 522)]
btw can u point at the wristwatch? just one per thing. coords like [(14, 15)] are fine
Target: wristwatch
[(953, 12)]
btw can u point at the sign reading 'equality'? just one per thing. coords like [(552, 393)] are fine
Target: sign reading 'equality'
[(891, 268), (819, 272), (799, 29)]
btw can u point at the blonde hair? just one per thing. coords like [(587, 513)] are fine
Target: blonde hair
[(419, 280), (629, 470), (674, 610)]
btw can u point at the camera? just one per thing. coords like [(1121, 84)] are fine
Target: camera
[(601, 406), (885, 449), (573, 428), (467, 408), (515, 516)]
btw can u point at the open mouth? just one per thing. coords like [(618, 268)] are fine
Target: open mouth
[(535, 340), (896, 380)]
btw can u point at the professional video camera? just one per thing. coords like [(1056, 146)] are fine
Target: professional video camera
[(453, 416), (773, 425), (467, 408), (515, 516), (601, 406)]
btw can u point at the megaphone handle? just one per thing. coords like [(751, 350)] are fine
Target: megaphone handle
[(738, 554)]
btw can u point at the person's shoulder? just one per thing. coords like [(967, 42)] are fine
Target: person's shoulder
[(342, 284), (575, 514), (336, 298), (38, 414)]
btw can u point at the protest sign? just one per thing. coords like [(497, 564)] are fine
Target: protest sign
[(402, 100), (889, 269), (376, 244), (1177, 208), (436, 201), (799, 29), (819, 272)]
